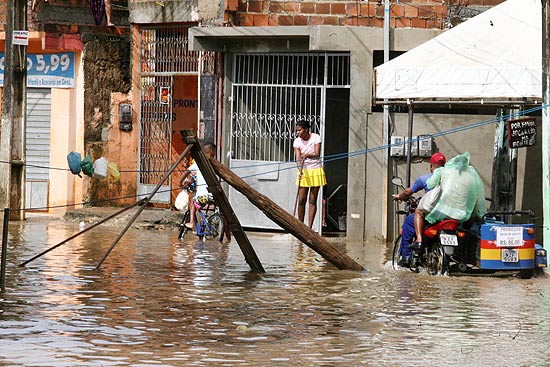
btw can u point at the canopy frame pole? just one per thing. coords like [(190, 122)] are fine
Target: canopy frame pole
[(409, 141)]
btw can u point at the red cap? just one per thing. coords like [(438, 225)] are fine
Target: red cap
[(438, 158)]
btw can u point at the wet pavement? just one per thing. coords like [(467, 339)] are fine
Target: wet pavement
[(159, 301)]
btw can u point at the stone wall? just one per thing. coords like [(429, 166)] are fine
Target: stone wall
[(107, 71)]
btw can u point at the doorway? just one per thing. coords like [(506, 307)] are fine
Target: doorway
[(270, 93)]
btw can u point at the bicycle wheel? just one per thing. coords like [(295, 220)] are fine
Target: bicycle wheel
[(396, 252), (183, 228), (213, 227)]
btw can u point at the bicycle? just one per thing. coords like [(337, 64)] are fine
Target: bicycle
[(209, 223)]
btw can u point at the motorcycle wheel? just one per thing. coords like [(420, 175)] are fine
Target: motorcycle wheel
[(395, 252), (438, 263)]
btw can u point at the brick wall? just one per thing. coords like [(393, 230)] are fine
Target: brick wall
[(411, 13)]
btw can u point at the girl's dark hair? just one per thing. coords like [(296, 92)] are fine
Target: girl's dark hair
[(304, 124)]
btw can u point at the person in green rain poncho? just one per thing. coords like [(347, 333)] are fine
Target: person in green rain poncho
[(461, 195)]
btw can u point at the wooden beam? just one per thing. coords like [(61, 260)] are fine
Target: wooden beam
[(214, 187), (287, 221), (12, 130), (144, 204)]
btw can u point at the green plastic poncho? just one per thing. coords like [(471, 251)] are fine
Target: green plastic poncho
[(462, 191)]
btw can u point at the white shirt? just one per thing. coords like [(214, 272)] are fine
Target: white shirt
[(199, 179)]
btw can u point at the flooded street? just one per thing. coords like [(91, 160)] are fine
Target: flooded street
[(158, 301)]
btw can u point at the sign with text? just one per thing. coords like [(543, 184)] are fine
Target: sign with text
[(47, 70), (522, 132), (20, 38)]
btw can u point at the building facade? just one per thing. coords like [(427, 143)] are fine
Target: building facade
[(74, 65), (241, 73)]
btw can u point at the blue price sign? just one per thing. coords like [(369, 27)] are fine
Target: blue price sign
[(47, 70)]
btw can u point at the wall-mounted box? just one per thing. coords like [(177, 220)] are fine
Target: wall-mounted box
[(425, 145), (396, 146), (414, 146)]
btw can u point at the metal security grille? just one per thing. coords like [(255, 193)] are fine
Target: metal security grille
[(165, 50), (164, 53), (156, 129), (272, 92)]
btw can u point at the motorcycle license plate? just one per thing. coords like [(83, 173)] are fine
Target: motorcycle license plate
[(448, 239), (510, 255)]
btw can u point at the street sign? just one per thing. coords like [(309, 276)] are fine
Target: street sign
[(522, 132), (20, 38)]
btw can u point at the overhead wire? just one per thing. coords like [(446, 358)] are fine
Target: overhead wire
[(291, 164)]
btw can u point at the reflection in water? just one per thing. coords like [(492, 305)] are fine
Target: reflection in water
[(159, 301)]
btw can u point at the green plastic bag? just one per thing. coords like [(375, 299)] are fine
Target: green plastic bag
[(87, 166), (462, 191)]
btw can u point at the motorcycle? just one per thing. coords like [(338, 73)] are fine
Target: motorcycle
[(480, 245)]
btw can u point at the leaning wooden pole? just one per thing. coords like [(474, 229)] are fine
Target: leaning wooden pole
[(221, 200), (141, 202), (145, 202), (287, 221)]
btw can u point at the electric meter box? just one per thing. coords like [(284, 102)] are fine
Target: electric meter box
[(125, 117), (414, 146), (396, 146), (425, 144)]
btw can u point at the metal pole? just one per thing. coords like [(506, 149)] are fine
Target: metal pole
[(4, 248), (386, 133), (545, 123), (409, 144)]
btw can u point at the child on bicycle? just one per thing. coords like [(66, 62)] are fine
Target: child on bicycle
[(193, 176)]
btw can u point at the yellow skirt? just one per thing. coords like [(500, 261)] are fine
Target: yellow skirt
[(312, 178)]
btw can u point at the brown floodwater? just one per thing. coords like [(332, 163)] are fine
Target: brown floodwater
[(159, 301)]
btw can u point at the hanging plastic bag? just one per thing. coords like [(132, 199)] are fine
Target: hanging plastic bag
[(112, 172), (87, 166), (74, 159), (100, 168), (182, 200)]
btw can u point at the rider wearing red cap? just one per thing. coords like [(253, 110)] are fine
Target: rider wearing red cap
[(408, 232), (438, 159)]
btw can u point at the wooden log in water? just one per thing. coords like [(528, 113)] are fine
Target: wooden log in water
[(287, 221)]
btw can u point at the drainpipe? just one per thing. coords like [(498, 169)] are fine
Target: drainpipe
[(545, 123)]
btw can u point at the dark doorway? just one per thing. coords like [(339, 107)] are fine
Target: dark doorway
[(336, 160)]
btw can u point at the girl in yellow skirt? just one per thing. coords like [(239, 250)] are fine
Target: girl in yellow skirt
[(311, 176)]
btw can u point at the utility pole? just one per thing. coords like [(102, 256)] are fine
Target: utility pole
[(545, 123), (14, 95)]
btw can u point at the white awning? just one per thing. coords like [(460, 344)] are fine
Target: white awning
[(494, 55)]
